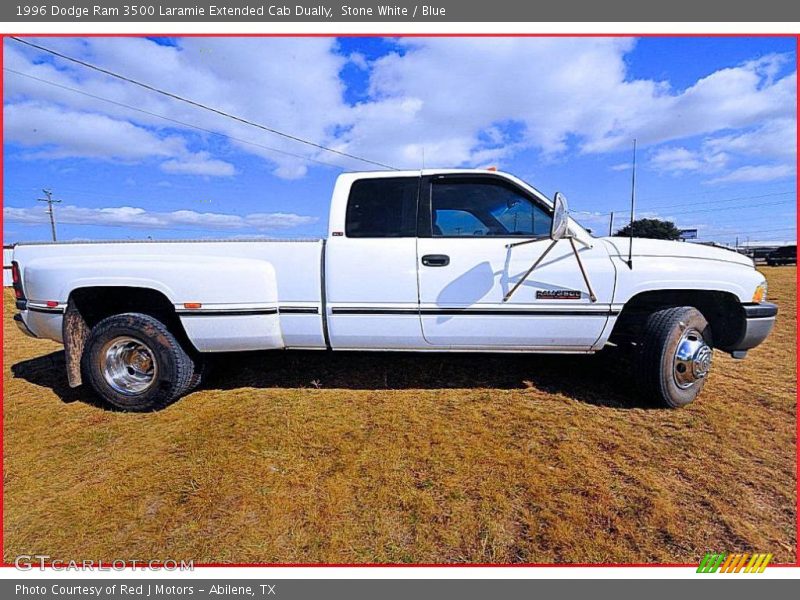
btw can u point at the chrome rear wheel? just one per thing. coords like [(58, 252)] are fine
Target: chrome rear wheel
[(128, 365), (135, 363)]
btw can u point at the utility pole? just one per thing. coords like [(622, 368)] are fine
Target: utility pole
[(50, 202), (611, 225)]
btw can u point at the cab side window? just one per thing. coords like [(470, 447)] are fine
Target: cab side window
[(382, 207), (474, 207)]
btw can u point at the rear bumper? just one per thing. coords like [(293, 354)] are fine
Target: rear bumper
[(758, 323), (22, 326)]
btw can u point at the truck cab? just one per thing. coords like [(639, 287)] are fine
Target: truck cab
[(425, 259)]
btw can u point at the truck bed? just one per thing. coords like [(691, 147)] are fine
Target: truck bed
[(252, 294)]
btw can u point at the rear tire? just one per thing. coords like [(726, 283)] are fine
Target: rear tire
[(673, 356), (135, 364)]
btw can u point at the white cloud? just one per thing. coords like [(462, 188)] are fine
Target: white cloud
[(463, 101), (736, 97), (773, 144), (775, 139), (677, 160), (359, 60), (292, 84), (757, 173), (139, 218), (443, 93), (446, 95), (200, 163), (622, 167), (60, 133)]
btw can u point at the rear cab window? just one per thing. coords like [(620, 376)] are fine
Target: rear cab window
[(382, 207)]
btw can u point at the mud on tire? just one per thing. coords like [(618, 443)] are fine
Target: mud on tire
[(135, 364)]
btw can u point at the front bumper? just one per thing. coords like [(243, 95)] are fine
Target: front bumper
[(22, 326), (759, 319)]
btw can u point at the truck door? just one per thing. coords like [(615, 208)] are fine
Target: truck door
[(371, 263), (466, 268)]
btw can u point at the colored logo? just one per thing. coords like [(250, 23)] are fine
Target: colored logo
[(733, 563)]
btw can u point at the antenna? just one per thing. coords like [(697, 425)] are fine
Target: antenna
[(50, 202), (633, 206)]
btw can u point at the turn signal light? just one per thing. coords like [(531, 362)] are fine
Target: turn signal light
[(760, 295), (192, 305)]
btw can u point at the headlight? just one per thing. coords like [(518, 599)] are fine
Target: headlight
[(760, 295)]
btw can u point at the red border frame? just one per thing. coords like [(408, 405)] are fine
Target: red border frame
[(795, 36)]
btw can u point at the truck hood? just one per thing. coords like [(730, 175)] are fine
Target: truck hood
[(618, 246)]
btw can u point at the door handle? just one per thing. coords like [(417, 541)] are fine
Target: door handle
[(435, 260)]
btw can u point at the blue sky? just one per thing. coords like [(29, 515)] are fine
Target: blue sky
[(715, 120)]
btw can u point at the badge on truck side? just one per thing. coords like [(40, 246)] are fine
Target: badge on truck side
[(558, 295)]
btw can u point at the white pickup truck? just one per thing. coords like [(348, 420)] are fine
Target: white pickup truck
[(433, 260)]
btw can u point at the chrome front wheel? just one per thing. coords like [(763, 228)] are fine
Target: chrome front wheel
[(692, 360), (128, 365), (673, 355)]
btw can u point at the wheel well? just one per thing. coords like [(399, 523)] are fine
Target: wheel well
[(722, 310), (96, 303)]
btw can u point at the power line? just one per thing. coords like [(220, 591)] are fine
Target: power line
[(199, 104), (682, 194), (721, 233), (724, 200), (706, 210), (677, 206), (170, 119), (764, 218), (173, 227)]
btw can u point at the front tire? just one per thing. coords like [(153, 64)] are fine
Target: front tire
[(673, 356), (135, 364)]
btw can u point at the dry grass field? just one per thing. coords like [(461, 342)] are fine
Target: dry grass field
[(352, 458)]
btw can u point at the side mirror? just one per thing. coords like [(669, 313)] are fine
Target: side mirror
[(560, 217)]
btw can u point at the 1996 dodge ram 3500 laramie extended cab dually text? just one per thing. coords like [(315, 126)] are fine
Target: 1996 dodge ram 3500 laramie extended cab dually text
[(432, 260)]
